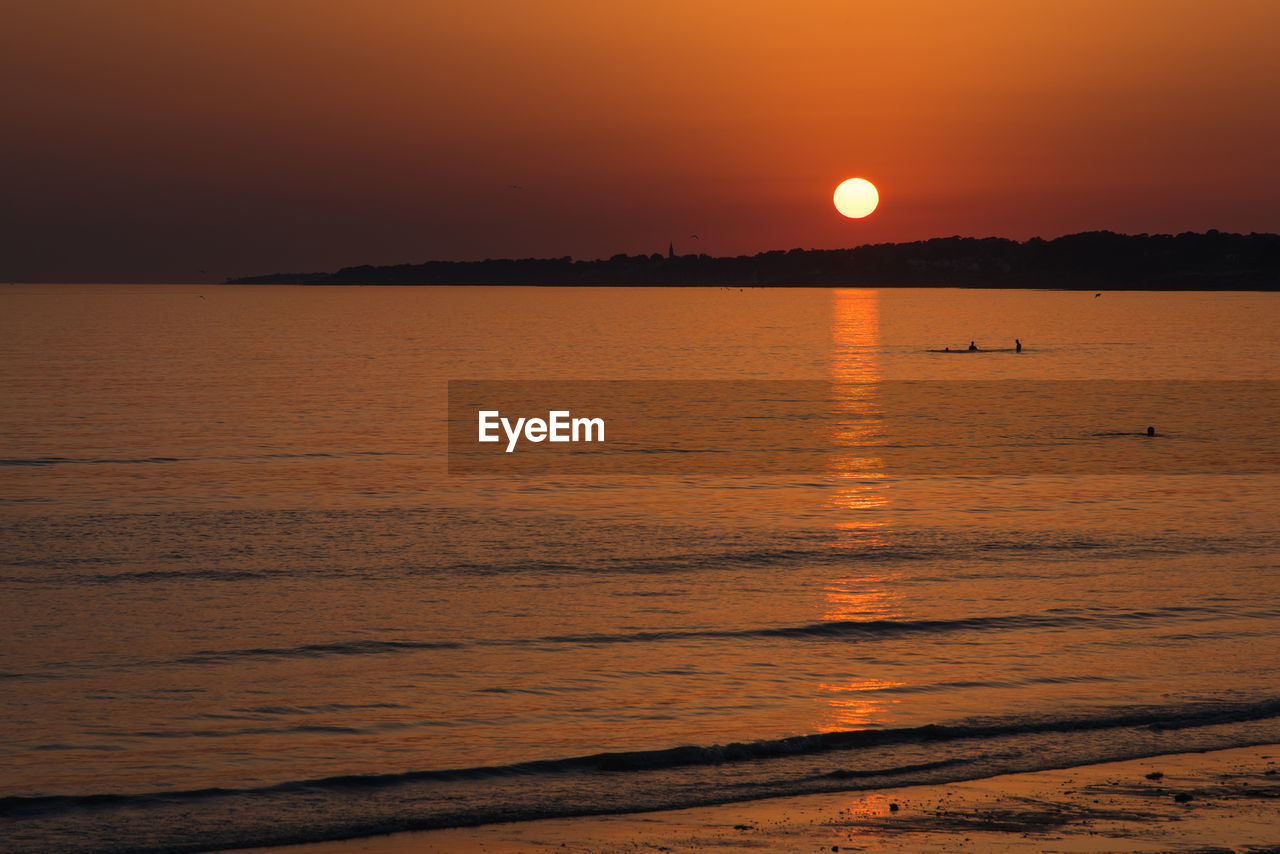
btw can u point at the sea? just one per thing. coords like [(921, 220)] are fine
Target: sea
[(248, 601)]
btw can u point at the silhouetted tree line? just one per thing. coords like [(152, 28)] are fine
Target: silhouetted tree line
[(1094, 260)]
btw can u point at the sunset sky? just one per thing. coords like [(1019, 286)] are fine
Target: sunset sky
[(191, 140)]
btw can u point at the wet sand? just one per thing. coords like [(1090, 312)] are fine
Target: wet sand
[(1222, 801)]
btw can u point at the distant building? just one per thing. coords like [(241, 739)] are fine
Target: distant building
[(671, 250)]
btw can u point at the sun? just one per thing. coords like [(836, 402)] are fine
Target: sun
[(856, 198)]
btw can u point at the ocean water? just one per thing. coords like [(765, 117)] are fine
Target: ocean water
[(246, 603)]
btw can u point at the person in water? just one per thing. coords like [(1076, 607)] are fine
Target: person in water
[(1017, 346), (973, 346), (1151, 431)]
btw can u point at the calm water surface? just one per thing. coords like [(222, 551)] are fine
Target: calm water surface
[(233, 560)]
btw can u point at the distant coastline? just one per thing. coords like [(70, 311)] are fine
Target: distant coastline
[(1096, 260)]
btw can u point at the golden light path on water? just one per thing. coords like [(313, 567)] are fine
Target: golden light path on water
[(858, 501)]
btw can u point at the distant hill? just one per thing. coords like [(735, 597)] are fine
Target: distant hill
[(1095, 260)]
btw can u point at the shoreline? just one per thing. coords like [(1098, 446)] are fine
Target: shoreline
[(1086, 261), (1221, 800)]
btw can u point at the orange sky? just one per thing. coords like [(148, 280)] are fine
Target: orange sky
[(189, 140)]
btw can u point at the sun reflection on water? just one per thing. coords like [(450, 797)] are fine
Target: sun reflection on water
[(857, 703), (859, 500)]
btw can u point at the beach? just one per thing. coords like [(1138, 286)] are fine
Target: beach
[(1220, 801)]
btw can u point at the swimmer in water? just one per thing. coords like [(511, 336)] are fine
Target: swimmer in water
[(972, 346), (1017, 346)]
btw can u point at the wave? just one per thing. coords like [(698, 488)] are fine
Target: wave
[(315, 650), (909, 547), (830, 629), (196, 557), (1154, 719), (57, 461), (352, 805), (875, 629), (861, 631)]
